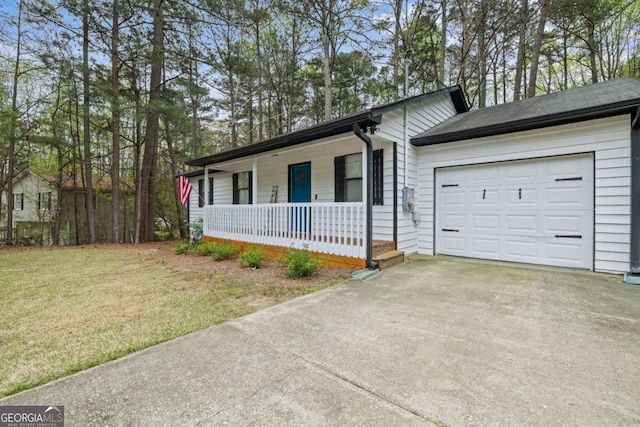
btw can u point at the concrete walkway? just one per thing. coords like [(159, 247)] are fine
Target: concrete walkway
[(434, 341)]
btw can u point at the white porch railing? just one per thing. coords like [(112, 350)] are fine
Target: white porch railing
[(331, 228)]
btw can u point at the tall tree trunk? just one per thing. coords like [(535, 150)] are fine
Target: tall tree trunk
[(537, 45), (522, 40), (565, 59), (91, 217), (12, 132), (397, 9), (443, 44), (115, 128), (148, 174), (482, 56), (327, 69), (591, 41)]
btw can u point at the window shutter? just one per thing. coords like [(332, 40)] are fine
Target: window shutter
[(200, 193), (339, 177), (378, 177), (236, 195), (39, 201), (250, 178), (210, 191)]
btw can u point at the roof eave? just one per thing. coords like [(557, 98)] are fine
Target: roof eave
[(325, 130), (591, 113)]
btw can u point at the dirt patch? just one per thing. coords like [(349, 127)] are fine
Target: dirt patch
[(162, 253)]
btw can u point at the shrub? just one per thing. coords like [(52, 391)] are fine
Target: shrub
[(300, 263), (181, 248), (195, 232), (205, 249), (222, 252), (252, 258)]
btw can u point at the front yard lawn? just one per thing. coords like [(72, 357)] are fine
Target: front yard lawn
[(65, 310)]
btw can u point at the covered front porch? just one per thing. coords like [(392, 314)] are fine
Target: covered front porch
[(324, 228), (331, 230)]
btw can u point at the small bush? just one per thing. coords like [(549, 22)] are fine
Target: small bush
[(205, 249), (252, 258), (195, 232), (181, 248), (222, 252), (300, 263)]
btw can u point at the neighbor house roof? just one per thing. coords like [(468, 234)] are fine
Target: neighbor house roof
[(334, 127), (605, 99), (72, 181)]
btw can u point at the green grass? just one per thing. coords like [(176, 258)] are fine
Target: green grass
[(64, 311)]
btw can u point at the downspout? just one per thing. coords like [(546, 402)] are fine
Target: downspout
[(395, 193), (634, 255), (369, 208)]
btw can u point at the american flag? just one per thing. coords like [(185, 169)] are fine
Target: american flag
[(184, 189)]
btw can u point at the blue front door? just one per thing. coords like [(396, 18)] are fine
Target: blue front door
[(300, 192)]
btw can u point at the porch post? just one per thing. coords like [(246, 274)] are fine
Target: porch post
[(254, 196), (254, 183), (205, 202)]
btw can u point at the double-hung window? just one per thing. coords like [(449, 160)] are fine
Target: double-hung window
[(243, 188), (200, 193), (18, 201), (348, 178), (44, 201)]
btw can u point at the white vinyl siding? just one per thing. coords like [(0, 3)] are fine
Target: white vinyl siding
[(608, 139), (420, 117), (272, 167)]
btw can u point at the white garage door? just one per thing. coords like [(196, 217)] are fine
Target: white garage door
[(533, 211)]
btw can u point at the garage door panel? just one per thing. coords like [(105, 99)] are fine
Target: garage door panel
[(530, 211), (561, 224), (521, 173), (484, 176), (565, 196), (521, 197), (566, 167), (522, 249), (486, 248), (454, 245), (486, 198), (454, 198), (486, 223), (564, 254), (455, 221), (521, 223)]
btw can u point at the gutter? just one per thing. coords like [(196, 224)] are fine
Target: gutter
[(634, 254), (369, 170)]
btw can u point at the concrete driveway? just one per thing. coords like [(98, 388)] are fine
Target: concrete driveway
[(434, 341)]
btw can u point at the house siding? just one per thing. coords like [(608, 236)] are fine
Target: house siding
[(272, 169), (608, 139), (421, 117)]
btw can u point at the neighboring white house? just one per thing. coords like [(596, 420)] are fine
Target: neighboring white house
[(42, 215), (546, 180)]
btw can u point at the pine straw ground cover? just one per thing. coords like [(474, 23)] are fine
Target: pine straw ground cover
[(64, 310)]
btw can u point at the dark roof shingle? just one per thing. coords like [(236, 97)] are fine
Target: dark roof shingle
[(598, 100)]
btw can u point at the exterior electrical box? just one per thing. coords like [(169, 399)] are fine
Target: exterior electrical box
[(408, 199)]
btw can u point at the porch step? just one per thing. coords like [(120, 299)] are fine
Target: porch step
[(389, 259), (382, 246)]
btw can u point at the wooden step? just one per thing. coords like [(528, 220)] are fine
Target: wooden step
[(389, 259), (382, 246)]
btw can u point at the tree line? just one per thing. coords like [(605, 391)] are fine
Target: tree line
[(130, 89)]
